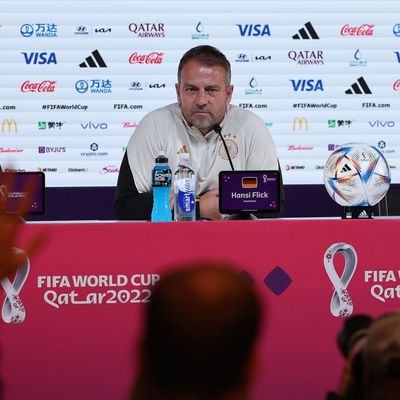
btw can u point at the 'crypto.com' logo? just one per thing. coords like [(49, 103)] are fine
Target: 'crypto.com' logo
[(341, 303), (13, 311)]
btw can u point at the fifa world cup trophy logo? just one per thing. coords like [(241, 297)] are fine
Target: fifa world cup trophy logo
[(13, 311), (341, 303)]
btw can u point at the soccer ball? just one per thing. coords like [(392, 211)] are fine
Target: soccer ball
[(357, 174)]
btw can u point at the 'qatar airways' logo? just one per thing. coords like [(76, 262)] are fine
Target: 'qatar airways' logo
[(13, 311), (151, 58), (44, 86), (362, 30)]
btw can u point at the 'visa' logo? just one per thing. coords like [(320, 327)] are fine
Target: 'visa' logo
[(40, 58), (307, 85), (254, 30)]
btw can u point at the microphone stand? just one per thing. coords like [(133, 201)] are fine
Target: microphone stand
[(242, 215)]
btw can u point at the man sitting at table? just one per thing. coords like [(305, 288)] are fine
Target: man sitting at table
[(204, 91)]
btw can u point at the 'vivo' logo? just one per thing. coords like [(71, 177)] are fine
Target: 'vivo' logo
[(254, 30), (93, 125), (307, 85), (40, 58), (382, 124), (398, 55)]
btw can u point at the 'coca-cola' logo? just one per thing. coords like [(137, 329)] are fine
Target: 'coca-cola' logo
[(362, 30), (152, 58), (44, 86), (396, 85)]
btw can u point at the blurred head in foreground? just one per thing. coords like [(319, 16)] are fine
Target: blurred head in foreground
[(200, 328), (382, 358)]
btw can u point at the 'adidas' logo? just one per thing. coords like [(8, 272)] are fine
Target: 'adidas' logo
[(359, 87), (346, 168), (91, 61), (363, 214), (308, 32)]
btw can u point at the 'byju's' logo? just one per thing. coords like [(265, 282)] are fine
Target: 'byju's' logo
[(13, 311), (341, 303)]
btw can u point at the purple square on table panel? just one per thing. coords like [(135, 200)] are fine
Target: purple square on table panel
[(277, 281)]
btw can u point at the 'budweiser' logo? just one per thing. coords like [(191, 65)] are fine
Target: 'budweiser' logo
[(293, 147), (396, 85), (152, 58), (44, 86), (362, 30), (129, 124), (109, 169)]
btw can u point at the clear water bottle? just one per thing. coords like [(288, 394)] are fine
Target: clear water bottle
[(184, 190), (161, 181)]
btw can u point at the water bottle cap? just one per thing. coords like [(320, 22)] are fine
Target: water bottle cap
[(184, 156), (161, 157)]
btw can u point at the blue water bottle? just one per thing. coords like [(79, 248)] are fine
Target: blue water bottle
[(161, 181)]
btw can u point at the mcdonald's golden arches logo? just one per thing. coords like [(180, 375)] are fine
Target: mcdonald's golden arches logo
[(300, 124), (9, 123)]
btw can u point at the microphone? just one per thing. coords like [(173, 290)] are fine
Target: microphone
[(217, 128)]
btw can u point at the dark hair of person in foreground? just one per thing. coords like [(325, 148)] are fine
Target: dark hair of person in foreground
[(200, 329)]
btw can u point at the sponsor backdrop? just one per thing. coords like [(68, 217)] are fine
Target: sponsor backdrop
[(76, 80), (80, 309)]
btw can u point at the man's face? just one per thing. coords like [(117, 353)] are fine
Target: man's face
[(203, 95)]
